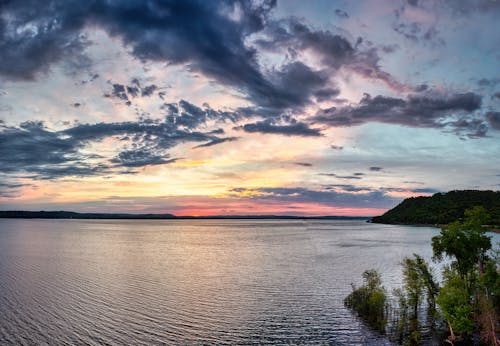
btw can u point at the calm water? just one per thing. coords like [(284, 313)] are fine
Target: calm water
[(192, 282)]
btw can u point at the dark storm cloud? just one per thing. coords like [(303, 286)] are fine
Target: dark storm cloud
[(179, 124), (341, 13), (295, 83), (220, 41), (454, 111), (32, 145), (345, 187), (12, 185), (469, 8), (485, 82), (425, 190), (494, 119), (216, 141), (118, 91), (389, 48), (70, 169), (332, 198), (326, 94), (10, 188), (474, 128), (96, 132), (148, 90), (34, 35), (188, 115), (293, 129), (209, 37), (417, 190), (163, 134), (133, 91), (141, 157), (334, 50), (31, 148), (127, 92), (202, 34), (421, 88), (355, 176), (354, 188)]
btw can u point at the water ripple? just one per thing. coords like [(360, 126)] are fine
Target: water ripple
[(192, 282)]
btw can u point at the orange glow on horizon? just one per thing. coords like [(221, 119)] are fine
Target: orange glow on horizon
[(253, 208)]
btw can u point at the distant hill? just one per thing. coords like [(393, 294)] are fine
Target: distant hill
[(21, 214), (442, 208)]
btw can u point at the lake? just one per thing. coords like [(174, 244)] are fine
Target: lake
[(193, 282)]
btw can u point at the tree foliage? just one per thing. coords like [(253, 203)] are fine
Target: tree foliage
[(413, 283), (442, 208), (464, 241), (468, 295), (468, 301), (418, 283), (455, 304), (369, 300)]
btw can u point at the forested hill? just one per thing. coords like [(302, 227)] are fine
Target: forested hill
[(442, 208)]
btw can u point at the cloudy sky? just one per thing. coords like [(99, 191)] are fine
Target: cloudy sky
[(246, 107)]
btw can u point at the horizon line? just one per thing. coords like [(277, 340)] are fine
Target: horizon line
[(65, 214)]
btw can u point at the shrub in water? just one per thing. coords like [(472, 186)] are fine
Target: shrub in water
[(369, 300)]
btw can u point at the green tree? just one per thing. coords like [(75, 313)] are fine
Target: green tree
[(413, 284), (418, 282), (369, 300), (372, 279), (430, 284), (488, 302), (401, 322), (455, 304), (464, 241), (466, 284)]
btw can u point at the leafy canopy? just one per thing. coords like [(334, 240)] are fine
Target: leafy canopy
[(464, 241)]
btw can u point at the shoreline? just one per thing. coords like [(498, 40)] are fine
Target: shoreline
[(492, 230)]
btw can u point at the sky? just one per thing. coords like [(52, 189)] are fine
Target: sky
[(246, 107)]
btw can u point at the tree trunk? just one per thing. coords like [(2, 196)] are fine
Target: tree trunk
[(452, 336)]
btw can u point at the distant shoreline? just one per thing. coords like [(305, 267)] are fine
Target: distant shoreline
[(19, 214), (66, 215), (493, 230)]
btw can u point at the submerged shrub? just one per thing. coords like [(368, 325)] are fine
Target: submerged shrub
[(369, 301)]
